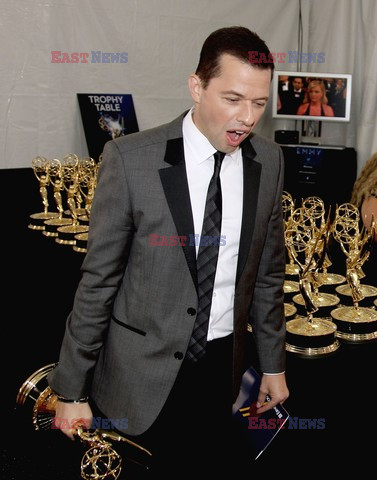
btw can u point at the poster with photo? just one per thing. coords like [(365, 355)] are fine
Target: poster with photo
[(106, 116)]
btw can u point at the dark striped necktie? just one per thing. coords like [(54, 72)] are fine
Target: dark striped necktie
[(207, 261)]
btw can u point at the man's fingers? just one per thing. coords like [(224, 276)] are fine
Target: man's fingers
[(75, 425), (70, 416)]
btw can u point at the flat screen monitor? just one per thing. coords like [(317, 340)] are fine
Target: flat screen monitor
[(312, 96)]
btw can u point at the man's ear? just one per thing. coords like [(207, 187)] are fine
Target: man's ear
[(195, 87)]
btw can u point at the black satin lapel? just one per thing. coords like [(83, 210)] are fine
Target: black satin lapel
[(175, 185), (251, 179)]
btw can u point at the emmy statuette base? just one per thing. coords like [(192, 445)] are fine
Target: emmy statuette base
[(66, 234), (355, 325), (81, 242), (290, 288), (53, 224), (324, 301), (38, 219), (289, 311), (313, 338), (329, 281), (369, 293), (313, 352)]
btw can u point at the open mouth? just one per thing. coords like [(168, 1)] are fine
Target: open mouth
[(236, 136)]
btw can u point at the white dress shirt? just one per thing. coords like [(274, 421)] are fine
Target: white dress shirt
[(199, 167)]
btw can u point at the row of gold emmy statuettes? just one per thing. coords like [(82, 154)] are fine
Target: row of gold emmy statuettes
[(326, 306), (67, 189), (317, 319)]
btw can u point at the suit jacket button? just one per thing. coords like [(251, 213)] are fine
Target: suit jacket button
[(191, 311), (178, 355)]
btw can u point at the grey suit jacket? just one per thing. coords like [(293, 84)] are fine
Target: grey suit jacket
[(135, 306)]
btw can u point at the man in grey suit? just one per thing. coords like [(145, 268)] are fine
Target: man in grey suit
[(127, 345)]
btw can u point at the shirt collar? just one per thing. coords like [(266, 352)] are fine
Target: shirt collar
[(197, 143)]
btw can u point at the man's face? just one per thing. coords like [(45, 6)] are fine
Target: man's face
[(297, 84), (232, 104)]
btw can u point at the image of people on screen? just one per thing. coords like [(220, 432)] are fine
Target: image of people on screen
[(337, 96), (315, 102), (291, 94)]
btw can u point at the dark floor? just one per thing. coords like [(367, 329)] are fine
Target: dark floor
[(39, 286)]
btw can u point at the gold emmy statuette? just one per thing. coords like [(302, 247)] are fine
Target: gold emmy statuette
[(66, 234), (288, 208), (311, 216), (88, 182), (328, 279), (355, 323), (325, 277), (87, 185), (40, 169), (55, 172), (309, 335), (100, 461)]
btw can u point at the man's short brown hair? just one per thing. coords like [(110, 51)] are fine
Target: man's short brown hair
[(236, 41)]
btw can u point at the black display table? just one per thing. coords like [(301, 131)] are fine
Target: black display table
[(40, 279)]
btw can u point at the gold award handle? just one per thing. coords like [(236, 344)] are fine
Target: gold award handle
[(100, 461)]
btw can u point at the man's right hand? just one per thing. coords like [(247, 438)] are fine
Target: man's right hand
[(69, 415)]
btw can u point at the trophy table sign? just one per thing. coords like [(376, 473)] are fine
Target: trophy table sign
[(308, 335), (355, 323), (40, 169)]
